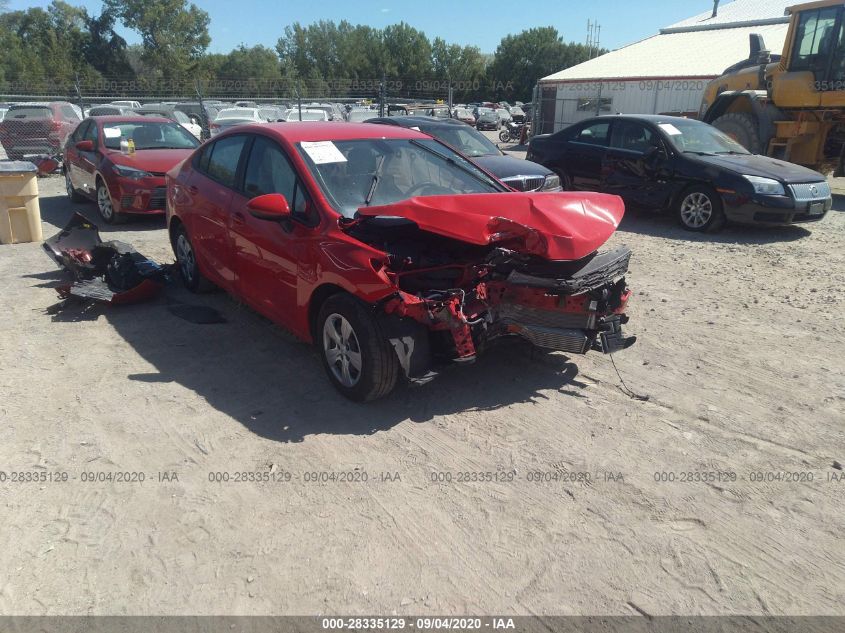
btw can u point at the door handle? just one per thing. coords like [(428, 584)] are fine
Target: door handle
[(238, 218)]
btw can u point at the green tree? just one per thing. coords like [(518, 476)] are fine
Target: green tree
[(522, 59), (174, 33), (407, 52)]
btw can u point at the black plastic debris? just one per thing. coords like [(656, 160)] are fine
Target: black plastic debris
[(109, 272)]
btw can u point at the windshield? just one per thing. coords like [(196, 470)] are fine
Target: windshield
[(238, 113), (346, 171), (149, 136), (464, 139), (357, 116), (307, 115), (699, 138), (29, 112)]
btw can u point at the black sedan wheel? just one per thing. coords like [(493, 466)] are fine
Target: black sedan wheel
[(357, 356), (700, 209)]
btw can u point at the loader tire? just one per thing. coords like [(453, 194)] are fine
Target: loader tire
[(743, 129)]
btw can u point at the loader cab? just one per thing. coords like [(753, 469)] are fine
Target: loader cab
[(814, 58)]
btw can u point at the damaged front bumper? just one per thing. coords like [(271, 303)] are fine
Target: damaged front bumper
[(577, 312)]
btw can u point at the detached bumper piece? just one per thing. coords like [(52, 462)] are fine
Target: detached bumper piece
[(610, 338), (106, 272)]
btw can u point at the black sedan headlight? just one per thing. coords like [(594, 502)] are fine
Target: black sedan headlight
[(552, 183)]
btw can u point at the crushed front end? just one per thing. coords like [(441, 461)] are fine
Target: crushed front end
[(454, 299)]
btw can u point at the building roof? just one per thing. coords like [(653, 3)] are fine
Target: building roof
[(700, 46), (682, 55), (747, 12)]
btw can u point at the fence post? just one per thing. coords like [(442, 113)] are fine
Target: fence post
[(205, 133)]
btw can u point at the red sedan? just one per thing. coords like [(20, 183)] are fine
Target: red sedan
[(101, 164), (392, 252)]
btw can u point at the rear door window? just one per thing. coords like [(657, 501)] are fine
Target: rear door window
[(594, 134), (30, 112), (225, 157)]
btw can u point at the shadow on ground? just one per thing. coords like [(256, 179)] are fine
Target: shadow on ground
[(57, 210), (276, 387), (665, 225)]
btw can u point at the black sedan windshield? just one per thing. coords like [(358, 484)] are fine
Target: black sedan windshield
[(699, 138), (464, 139), (354, 174), (151, 135)]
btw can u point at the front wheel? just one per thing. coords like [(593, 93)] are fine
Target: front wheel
[(105, 206), (700, 209), (357, 356), (504, 136)]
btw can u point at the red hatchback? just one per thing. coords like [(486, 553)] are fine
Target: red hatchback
[(100, 165), (391, 252)]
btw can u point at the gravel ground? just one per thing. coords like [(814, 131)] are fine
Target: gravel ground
[(740, 352)]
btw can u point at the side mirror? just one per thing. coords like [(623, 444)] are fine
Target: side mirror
[(85, 146), (271, 206)]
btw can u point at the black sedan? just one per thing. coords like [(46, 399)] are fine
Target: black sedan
[(522, 175), (685, 166)]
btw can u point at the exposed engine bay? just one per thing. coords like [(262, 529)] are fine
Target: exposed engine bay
[(453, 298)]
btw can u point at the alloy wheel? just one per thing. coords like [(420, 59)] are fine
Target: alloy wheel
[(185, 257), (104, 203), (696, 210), (342, 350)]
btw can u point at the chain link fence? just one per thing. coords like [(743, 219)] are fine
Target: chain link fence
[(37, 116)]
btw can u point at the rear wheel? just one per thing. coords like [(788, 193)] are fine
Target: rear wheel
[(187, 260), (742, 128), (357, 356), (72, 193), (700, 209), (504, 136), (105, 206)]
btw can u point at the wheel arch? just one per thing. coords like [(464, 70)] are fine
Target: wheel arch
[(315, 302)]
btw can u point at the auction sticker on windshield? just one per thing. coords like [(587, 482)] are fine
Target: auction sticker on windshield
[(322, 152), (111, 132), (670, 129)]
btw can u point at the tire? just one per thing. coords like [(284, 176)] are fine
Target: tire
[(72, 193), (743, 129), (346, 331), (105, 205), (504, 136), (186, 260), (700, 209)]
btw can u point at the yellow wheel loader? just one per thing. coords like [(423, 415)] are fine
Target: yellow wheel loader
[(789, 106)]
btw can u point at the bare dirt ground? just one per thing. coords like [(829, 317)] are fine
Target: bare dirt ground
[(740, 351)]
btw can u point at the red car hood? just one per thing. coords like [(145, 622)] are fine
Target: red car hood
[(555, 226), (154, 160)]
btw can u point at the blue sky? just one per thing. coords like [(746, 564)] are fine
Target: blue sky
[(482, 23)]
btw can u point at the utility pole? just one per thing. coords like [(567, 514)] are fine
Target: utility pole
[(593, 38)]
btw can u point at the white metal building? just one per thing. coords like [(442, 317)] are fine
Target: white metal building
[(665, 73)]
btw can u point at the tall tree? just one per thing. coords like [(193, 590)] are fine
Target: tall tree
[(174, 33), (522, 59)]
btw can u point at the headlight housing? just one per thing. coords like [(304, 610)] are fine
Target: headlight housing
[(766, 186), (552, 183), (130, 172)]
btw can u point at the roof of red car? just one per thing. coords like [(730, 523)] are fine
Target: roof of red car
[(297, 132)]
